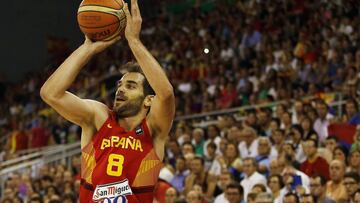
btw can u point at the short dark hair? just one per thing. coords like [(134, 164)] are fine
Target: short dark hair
[(261, 186), (189, 143), (353, 101), (281, 182), (212, 145), (308, 195), (236, 186), (252, 159), (298, 128), (352, 175), (322, 179), (294, 195), (343, 149), (133, 67), (332, 137), (277, 121), (199, 158), (282, 131)]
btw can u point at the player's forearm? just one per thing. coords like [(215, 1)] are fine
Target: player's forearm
[(152, 70), (64, 76)]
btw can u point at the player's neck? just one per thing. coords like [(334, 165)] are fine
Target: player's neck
[(130, 123)]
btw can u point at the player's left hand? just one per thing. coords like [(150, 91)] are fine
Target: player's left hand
[(133, 21), (99, 46)]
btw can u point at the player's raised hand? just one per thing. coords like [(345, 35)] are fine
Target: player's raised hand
[(133, 21), (98, 46)]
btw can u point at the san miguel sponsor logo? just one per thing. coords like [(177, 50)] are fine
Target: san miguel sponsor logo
[(112, 191)]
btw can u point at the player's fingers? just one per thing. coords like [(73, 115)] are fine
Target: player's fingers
[(135, 8), (127, 12), (115, 39)]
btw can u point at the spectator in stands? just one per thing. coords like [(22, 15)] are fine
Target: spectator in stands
[(278, 139), (181, 173), (231, 160), (314, 163), (234, 193), (198, 141), (211, 157), (258, 188), (173, 150), (193, 197), (264, 119), (307, 126), (39, 133), (335, 188), (352, 183), (225, 179), (288, 151), (252, 177), (340, 153), (248, 147), (264, 198), (234, 134), (354, 161), (291, 198), (171, 195), (297, 136), (318, 189), (351, 109), (330, 143), (289, 174), (274, 125), (356, 144), (307, 198), (275, 168), (299, 113), (286, 122), (199, 176), (213, 135), (322, 121), (263, 158), (275, 183), (187, 148)]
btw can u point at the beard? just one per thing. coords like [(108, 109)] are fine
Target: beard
[(130, 108)]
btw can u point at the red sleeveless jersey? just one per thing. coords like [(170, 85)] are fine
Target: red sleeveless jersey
[(119, 166)]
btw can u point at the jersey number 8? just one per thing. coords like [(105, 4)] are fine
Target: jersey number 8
[(115, 165)]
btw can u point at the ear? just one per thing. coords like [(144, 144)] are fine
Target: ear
[(148, 100)]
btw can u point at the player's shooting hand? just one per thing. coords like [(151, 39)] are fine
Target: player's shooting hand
[(133, 21), (98, 46)]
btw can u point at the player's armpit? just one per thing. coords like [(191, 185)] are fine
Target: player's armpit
[(77, 110)]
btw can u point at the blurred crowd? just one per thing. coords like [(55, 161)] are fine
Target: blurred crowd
[(54, 184), (241, 53)]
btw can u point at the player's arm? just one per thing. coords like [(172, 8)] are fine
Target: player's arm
[(54, 91), (163, 105)]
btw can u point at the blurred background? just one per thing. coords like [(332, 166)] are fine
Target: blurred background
[(267, 99)]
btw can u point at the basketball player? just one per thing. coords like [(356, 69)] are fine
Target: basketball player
[(122, 147)]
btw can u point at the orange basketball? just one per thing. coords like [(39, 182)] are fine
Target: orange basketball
[(101, 19)]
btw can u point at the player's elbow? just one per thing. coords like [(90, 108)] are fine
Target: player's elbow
[(46, 94)]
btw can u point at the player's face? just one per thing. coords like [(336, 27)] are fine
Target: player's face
[(129, 96)]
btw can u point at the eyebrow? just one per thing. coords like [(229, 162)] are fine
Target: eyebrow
[(128, 81)]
